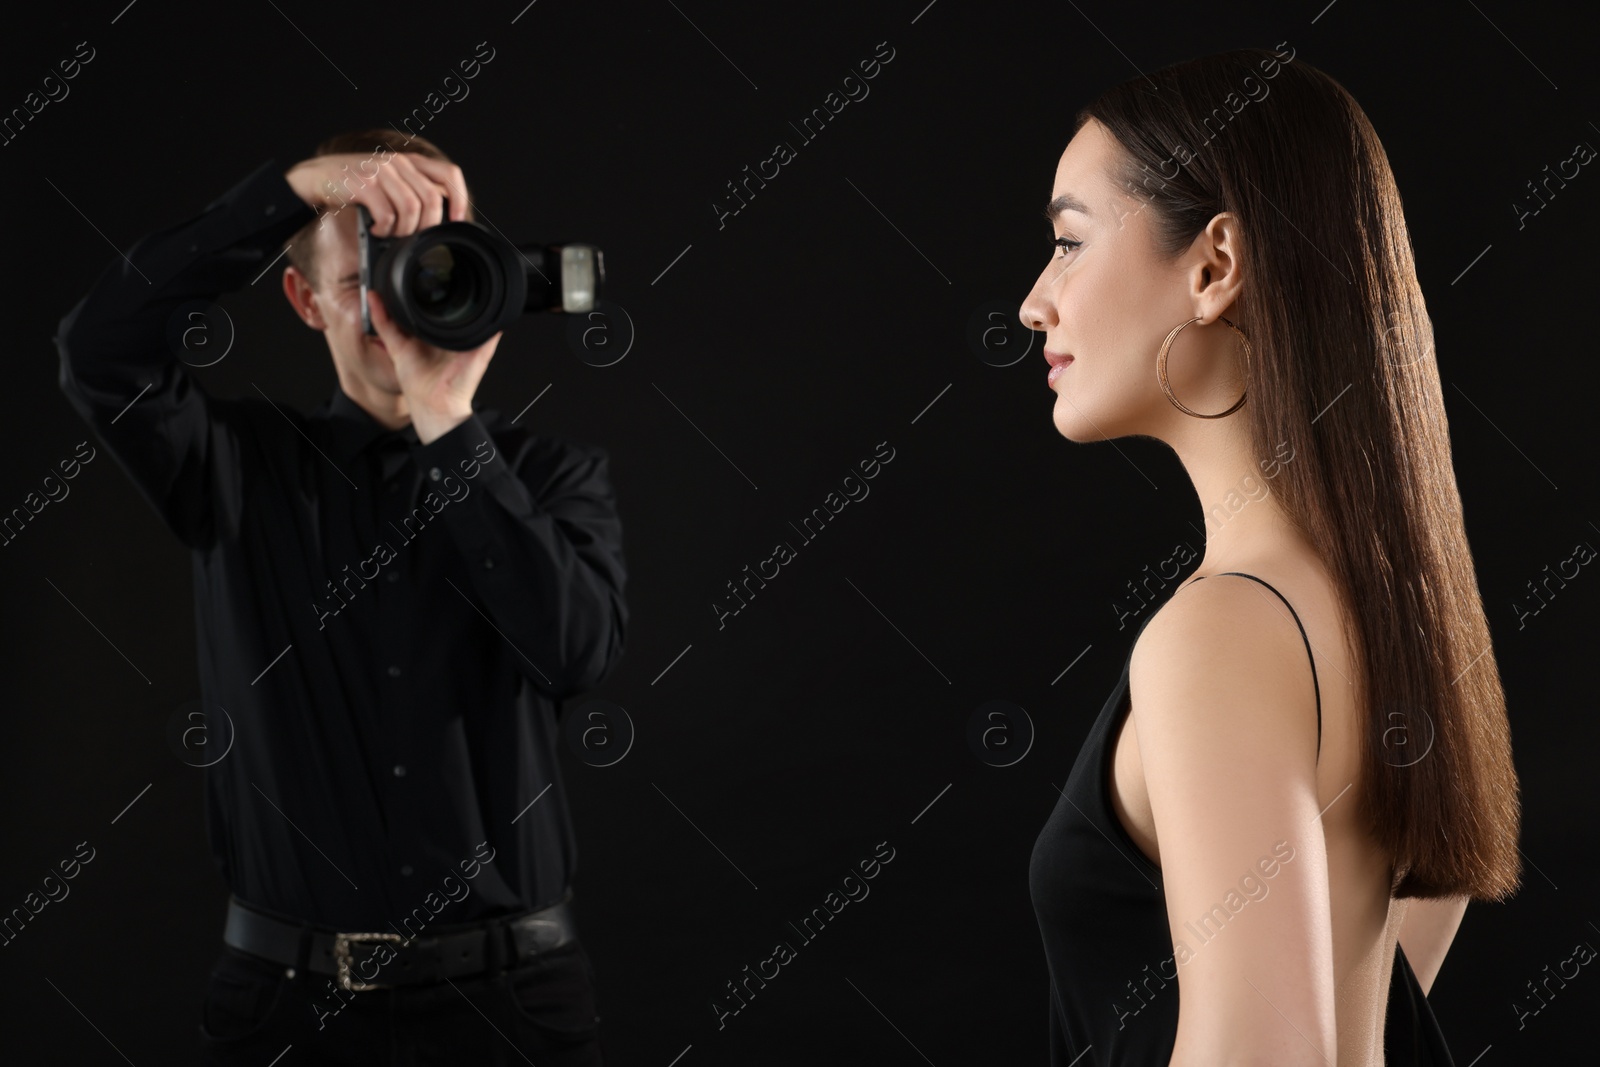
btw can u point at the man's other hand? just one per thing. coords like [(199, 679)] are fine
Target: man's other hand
[(438, 384)]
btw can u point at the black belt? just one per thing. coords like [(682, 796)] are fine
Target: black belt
[(357, 959)]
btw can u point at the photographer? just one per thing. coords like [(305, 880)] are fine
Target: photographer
[(385, 726)]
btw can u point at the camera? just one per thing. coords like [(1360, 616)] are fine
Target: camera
[(455, 285)]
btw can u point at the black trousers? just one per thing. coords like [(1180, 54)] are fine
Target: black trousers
[(540, 1012)]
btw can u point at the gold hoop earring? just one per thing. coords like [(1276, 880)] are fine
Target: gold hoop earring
[(1166, 387)]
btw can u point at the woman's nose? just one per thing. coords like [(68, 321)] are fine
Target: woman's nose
[(1036, 313)]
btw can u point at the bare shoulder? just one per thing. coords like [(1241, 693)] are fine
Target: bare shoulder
[(1228, 647)]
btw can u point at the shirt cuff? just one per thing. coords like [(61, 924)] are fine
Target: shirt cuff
[(465, 452)]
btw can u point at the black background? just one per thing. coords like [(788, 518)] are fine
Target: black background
[(830, 315)]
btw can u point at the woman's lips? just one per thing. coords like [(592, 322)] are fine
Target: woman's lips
[(1058, 364)]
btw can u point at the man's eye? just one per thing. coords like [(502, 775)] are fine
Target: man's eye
[(1066, 244)]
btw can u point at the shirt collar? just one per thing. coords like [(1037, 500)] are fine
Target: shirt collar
[(352, 428)]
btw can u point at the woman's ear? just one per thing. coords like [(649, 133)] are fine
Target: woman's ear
[(1218, 271)]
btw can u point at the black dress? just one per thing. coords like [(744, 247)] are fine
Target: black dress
[(1103, 919)]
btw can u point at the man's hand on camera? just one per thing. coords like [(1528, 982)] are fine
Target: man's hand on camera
[(404, 191), (438, 383)]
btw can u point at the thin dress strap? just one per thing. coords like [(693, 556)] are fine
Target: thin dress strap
[(1315, 685)]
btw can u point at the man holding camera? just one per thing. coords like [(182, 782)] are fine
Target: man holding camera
[(389, 816)]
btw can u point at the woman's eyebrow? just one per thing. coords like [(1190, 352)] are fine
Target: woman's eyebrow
[(1065, 202)]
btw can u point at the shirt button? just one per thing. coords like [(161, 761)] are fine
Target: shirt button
[(394, 671), (394, 576), (399, 770), (434, 473), (488, 562), (405, 869), (271, 208), (194, 248)]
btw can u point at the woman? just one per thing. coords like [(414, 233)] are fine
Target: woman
[(1320, 762)]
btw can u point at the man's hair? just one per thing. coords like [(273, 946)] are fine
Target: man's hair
[(378, 142)]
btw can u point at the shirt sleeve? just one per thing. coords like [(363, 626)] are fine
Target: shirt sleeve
[(543, 543), (120, 350)]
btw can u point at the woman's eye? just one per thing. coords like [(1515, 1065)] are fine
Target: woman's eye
[(1066, 244)]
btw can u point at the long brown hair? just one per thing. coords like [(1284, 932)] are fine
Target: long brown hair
[(1343, 370)]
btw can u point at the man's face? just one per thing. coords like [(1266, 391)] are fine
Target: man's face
[(336, 300)]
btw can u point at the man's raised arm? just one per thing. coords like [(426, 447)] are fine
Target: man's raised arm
[(120, 372)]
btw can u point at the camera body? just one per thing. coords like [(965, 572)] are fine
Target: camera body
[(455, 285)]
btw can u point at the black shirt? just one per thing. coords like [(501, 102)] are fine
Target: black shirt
[(390, 627)]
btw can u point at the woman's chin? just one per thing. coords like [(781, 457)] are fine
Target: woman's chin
[(1071, 424)]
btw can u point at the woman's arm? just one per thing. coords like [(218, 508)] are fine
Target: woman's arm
[(1426, 933), (1227, 730)]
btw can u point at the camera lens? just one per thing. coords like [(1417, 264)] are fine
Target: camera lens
[(449, 283)]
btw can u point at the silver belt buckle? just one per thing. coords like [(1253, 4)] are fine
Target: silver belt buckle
[(341, 956), (547, 934)]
